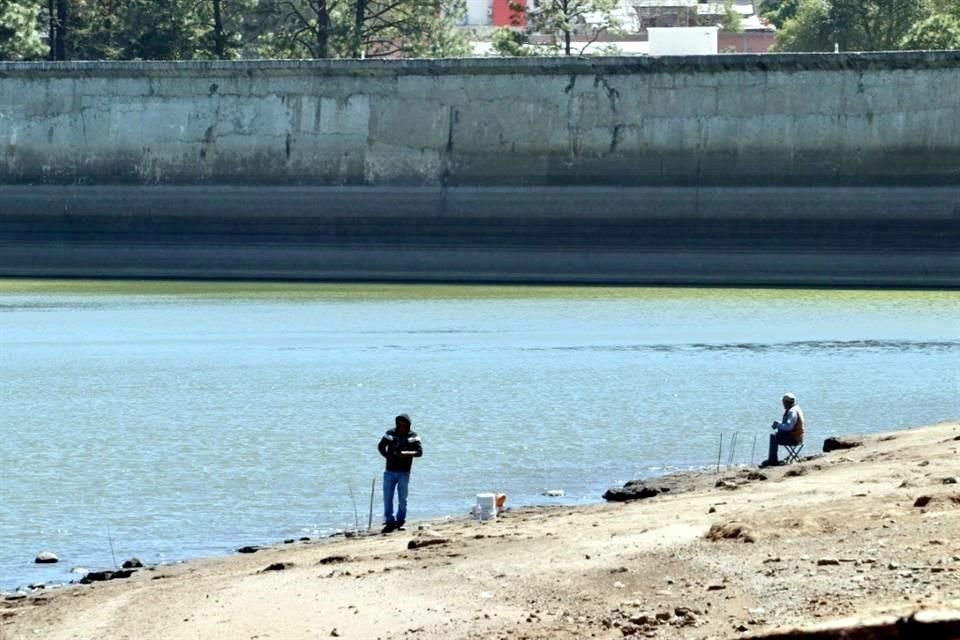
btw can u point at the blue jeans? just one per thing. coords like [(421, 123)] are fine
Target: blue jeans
[(778, 439), (397, 481)]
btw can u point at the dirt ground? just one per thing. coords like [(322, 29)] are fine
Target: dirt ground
[(868, 531)]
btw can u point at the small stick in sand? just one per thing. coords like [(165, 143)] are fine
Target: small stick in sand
[(356, 517), (373, 486), (719, 452), (112, 554)]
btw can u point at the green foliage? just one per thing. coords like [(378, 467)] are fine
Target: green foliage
[(610, 49), (305, 28), (415, 28), (20, 30), (779, 11), (363, 28), (938, 32), (160, 30), (875, 25), (563, 20), (809, 30), (945, 7), (732, 20), (853, 25), (204, 29), (510, 42), (149, 29)]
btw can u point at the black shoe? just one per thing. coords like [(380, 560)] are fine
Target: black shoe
[(390, 527), (400, 526)]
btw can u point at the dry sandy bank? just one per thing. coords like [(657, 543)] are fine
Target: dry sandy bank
[(841, 535)]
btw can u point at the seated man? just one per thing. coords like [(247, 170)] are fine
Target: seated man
[(788, 431)]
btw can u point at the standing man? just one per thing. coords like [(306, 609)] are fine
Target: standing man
[(788, 431), (399, 446)]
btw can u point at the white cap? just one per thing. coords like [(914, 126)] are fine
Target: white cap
[(789, 397)]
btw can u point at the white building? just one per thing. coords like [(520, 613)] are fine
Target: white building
[(682, 41)]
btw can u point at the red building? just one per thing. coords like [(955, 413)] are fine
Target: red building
[(745, 42), (504, 16)]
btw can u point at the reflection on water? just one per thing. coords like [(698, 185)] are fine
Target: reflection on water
[(808, 345), (191, 418)]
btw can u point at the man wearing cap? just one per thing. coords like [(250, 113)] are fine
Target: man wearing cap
[(399, 446), (788, 431)]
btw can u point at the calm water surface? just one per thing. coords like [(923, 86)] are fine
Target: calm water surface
[(169, 421)]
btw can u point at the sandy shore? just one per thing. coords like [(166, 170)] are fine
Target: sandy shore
[(866, 532)]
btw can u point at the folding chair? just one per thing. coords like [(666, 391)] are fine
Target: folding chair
[(793, 452)]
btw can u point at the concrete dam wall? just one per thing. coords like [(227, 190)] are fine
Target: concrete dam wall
[(834, 169)]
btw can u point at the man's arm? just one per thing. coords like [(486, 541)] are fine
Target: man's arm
[(414, 445), (382, 447)]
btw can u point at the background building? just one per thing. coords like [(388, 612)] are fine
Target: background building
[(635, 17)]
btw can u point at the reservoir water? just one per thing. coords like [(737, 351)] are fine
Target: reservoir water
[(169, 421)]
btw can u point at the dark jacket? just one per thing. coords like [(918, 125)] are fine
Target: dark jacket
[(392, 443)]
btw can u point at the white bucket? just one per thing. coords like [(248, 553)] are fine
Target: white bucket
[(486, 506)]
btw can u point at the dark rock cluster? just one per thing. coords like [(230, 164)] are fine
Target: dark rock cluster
[(633, 490), (837, 444)]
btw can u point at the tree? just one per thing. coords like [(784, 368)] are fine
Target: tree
[(853, 25), (309, 25), (17, 21), (156, 29), (732, 20), (363, 28), (161, 30), (938, 32), (778, 11), (219, 35), (511, 42), (945, 7), (134, 30), (59, 26), (20, 35), (561, 20), (875, 25), (809, 30), (411, 28), (224, 28)]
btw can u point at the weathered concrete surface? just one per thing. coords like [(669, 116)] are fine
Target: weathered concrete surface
[(664, 235), (787, 119), (788, 169)]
